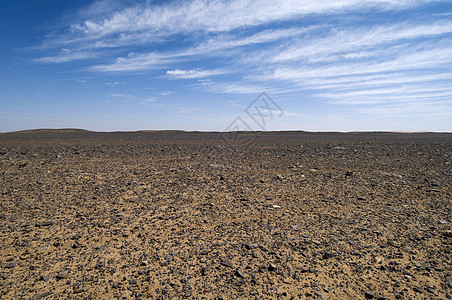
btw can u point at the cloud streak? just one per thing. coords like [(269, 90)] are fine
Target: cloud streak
[(329, 51)]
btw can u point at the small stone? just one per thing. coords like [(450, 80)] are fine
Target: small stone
[(442, 222), (251, 246), (45, 278), (144, 263), (227, 263), (318, 294), (327, 255), (43, 248), (447, 233), (239, 273), (11, 265), (44, 224), (276, 206), (78, 290), (272, 267), (42, 295), (370, 294), (62, 274)]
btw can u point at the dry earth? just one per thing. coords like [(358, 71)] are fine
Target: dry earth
[(164, 215)]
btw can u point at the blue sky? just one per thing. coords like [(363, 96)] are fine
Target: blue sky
[(196, 65)]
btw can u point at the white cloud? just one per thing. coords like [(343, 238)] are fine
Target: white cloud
[(417, 58), (267, 46), (216, 15), (117, 95), (232, 87), (349, 43), (114, 83), (139, 62), (67, 56), (191, 74)]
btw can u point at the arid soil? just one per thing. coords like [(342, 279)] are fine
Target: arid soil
[(172, 215)]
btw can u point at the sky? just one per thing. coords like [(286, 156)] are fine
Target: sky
[(109, 65)]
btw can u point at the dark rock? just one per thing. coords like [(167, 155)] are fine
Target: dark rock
[(370, 294), (447, 233), (42, 295), (11, 265), (44, 224), (227, 263), (78, 290), (272, 267), (239, 273), (62, 275), (251, 246), (327, 255), (45, 278)]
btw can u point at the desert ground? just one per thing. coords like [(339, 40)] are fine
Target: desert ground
[(263, 215)]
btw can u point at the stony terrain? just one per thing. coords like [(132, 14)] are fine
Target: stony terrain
[(173, 215)]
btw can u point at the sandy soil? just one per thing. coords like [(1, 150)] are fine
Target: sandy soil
[(171, 215)]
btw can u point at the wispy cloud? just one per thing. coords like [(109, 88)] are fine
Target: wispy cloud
[(136, 62), (349, 43), (328, 51), (67, 55), (232, 87), (191, 74), (210, 16), (117, 95)]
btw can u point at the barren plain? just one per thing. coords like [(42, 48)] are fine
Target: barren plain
[(174, 215)]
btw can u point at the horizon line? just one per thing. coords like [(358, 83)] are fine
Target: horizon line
[(217, 131)]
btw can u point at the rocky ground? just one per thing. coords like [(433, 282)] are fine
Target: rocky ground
[(171, 215)]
